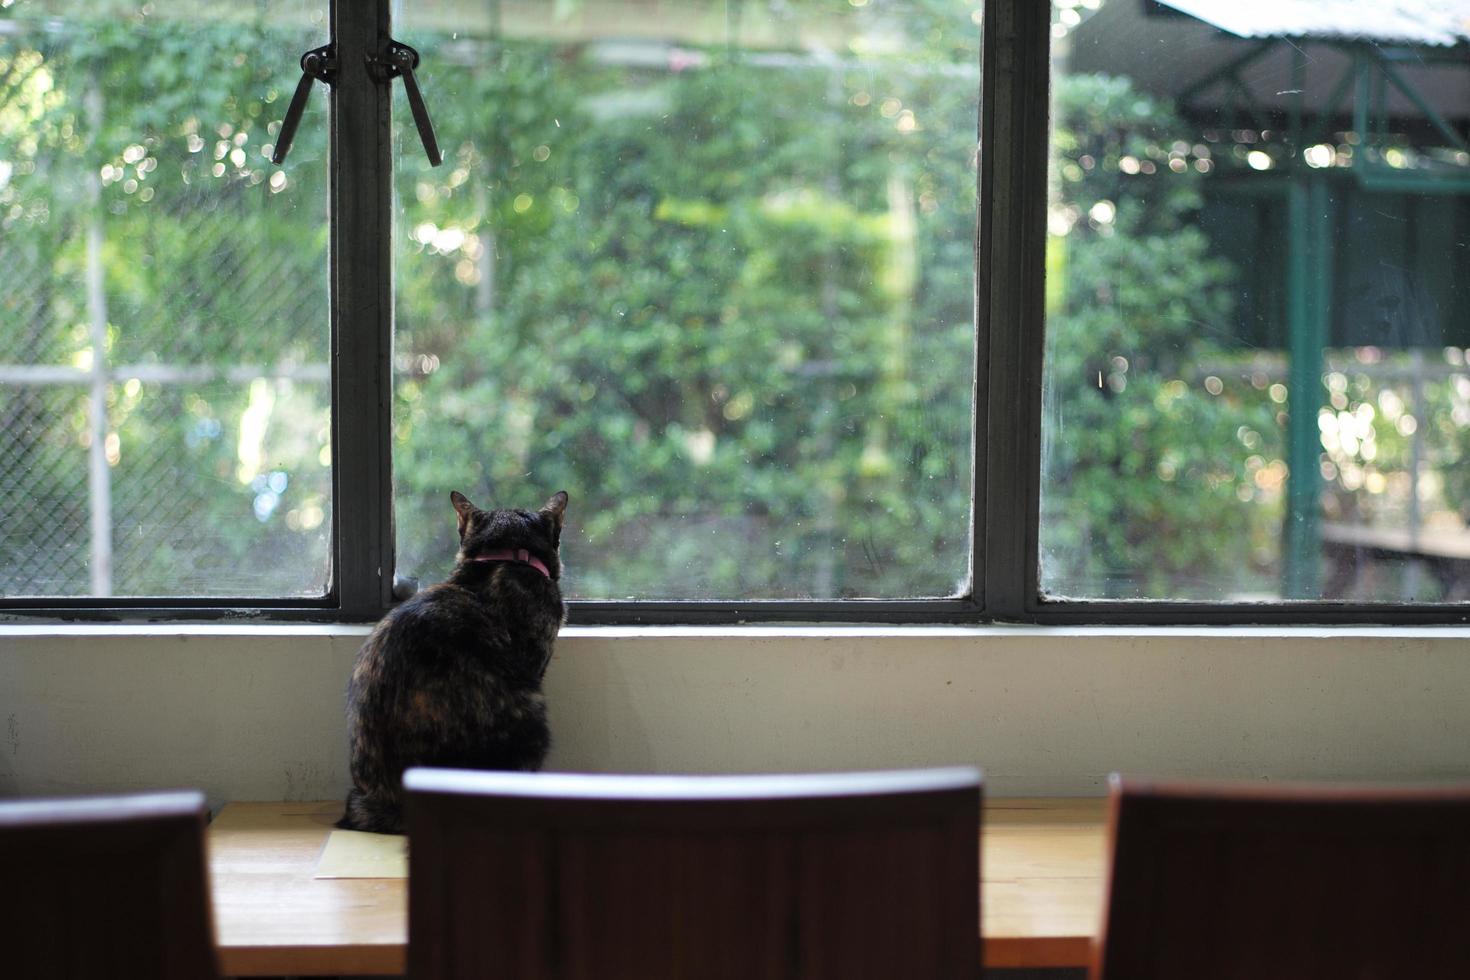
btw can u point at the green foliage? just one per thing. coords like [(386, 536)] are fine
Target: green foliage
[(1149, 485), (727, 306), (741, 345), (136, 188), (724, 301)]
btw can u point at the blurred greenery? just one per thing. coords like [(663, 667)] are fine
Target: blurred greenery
[(722, 293), (134, 175), (1148, 482), (726, 306)]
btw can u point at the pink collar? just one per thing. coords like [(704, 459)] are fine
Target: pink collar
[(519, 555)]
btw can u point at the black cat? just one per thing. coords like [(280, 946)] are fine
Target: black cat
[(452, 677)]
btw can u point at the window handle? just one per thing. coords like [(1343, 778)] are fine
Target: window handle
[(402, 60), (318, 64)]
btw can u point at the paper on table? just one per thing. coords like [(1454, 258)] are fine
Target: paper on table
[(354, 854)]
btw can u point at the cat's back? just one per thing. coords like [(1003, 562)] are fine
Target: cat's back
[(441, 625), (443, 613)]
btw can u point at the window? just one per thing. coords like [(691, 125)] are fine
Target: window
[(1255, 384), (1184, 341), (164, 334), (709, 267)]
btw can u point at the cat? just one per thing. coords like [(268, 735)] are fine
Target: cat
[(452, 677)]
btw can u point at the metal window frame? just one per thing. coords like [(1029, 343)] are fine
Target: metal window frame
[(1014, 126)]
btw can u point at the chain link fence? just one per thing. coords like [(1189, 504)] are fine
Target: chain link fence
[(166, 459)]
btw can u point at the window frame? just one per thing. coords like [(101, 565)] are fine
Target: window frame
[(1009, 280)]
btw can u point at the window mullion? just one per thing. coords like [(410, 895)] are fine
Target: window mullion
[(362, 305), (1009, 281)]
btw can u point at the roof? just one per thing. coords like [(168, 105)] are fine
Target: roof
[(1429, 22), (1169, 46)]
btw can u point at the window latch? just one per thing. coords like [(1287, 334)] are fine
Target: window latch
[(318, 64), (401, 60)]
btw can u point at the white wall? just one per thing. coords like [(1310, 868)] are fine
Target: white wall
[(256, 712)]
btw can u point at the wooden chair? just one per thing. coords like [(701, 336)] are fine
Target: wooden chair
[(851, 876), (105, 888), (1260, 881)]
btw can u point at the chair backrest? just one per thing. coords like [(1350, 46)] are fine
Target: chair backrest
[(852, 876), (105, 887), (1267, 881)]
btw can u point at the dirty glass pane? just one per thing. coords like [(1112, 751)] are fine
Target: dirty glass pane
[(164, 387), (707, 267), (1257, 306)]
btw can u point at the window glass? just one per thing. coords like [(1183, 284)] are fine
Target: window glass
[(164, 384), (1257, 312), (709, 268)]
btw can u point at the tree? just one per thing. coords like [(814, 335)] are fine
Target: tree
[(136, 205), (1150, 469), (721, 294), (726, 305)]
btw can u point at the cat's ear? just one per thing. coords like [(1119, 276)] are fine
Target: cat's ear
[(463, 508), (555, 507)]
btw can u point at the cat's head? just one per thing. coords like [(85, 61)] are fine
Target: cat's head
[(483, 532)]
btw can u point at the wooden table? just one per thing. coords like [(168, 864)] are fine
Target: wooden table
[(272, 918), (1041, 861)]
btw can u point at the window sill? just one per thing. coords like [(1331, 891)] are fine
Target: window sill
[(763, 633), (254, 711)]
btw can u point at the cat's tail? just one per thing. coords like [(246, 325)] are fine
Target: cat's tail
[(371, 814)]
